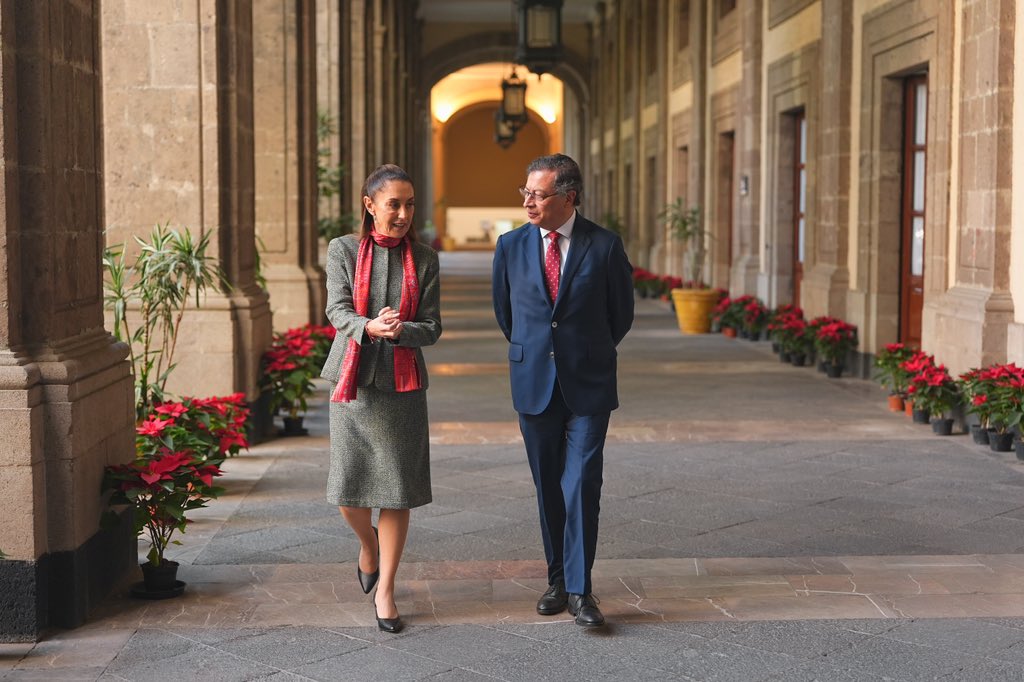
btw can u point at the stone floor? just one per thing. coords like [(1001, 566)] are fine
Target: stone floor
[(759, 522)]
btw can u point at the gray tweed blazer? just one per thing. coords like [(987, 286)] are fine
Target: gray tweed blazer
[(377, 360)]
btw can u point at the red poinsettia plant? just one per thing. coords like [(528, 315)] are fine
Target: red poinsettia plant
[(289, 366), (755, 316), (932, 389), (179, 447), (212, 428), (775, 318), (792, 334), (162, 489), (996, 395), (645, 282), (833, 339), (890, 371)]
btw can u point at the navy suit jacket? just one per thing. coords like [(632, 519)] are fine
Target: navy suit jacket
[(573, 339)]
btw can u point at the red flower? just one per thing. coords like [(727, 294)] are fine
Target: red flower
[(153, 426), (171, 409)]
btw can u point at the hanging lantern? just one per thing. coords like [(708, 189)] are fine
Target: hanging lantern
[(540, 34), (504, 134), (513, 101)]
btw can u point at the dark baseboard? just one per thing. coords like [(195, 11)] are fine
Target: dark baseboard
[(60, 588), (260, 425), (22, 602)]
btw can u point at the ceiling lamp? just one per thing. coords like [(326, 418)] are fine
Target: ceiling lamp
[(504, 134), (513, 101), (540, 34)]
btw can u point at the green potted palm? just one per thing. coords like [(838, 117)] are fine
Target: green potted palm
[(695, 300)]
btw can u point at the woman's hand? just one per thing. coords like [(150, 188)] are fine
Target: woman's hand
[(386, 325)]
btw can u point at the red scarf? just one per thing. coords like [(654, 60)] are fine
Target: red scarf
[(407, 376)]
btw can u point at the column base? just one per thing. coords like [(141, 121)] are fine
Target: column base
[(60, 588), (968, 327)]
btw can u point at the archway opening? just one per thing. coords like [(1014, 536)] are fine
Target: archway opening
[(473, 179)]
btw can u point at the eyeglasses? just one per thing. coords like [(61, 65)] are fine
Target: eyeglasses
[(537, 196)]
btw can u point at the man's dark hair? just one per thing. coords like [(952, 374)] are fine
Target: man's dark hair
[(568, 177)]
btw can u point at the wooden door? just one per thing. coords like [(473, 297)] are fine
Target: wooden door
[(799, 202), (915, 152)]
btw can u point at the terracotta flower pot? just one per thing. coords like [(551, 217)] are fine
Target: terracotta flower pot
[(896, 402), (729, 331), (908, 408)]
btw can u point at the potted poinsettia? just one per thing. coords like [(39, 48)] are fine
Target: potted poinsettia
[(755, 316), (914, 365), (1004, 393), (773, 320), (833, 340), (974, 390), (794, 339), (179, 447), (289, 367), (934, 391), (891, 375), (161, 489)]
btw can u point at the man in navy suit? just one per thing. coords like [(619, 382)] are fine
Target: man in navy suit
[(563, 296)]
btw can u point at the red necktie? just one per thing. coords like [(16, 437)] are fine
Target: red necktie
[(552, 265)]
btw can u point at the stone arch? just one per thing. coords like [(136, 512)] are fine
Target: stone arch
[(498, 46)]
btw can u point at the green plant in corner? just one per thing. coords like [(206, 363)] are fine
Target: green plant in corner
[(328, 181), (170, 269), (685, 226)]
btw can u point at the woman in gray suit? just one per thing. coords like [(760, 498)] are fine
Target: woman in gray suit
[(383, 297)]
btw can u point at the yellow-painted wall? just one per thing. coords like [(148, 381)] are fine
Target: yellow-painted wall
[(477, 172)]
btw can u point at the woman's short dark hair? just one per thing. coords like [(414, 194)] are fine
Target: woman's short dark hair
[(567, 174), (375, 182)]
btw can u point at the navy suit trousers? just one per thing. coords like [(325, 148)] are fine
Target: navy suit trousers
[(566, 454)]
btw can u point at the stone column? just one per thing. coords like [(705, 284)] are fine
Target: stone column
[(826, 281), (328, 95), (65, 387), (178, 109), (355, 101), (969, 324), (284, 71), (747, 261), (697, 147)]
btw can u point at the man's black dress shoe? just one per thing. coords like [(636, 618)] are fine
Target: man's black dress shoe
[(553, 601), (368, 580), (584, 608), (392, 625)]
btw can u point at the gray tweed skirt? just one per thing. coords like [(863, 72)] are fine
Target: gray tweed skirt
[(380, 450)]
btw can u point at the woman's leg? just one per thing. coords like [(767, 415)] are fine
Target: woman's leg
[(361, 521), (393, 525)]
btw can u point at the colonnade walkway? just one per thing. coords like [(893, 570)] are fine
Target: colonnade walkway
[(758, 521)]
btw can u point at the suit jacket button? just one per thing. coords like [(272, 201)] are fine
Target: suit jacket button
[(554, 324), (551, 354)]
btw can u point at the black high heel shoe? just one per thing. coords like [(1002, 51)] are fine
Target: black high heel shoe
[(368, 580), (391, 625)]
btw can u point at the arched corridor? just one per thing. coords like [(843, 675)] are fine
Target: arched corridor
[(758, 521), (855, 157)]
